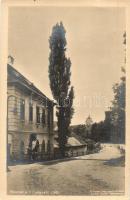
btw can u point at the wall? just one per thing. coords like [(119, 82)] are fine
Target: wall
[(19, 130), (77, 150)]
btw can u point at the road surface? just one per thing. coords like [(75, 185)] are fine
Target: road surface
[(95, 174)]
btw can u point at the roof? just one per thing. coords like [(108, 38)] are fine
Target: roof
[(79, 138), (72, 141), (15, 76)]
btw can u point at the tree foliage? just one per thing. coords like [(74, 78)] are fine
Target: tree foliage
[(118, 111), (79, 130), (101, 131), (118, 105), (60, 84)]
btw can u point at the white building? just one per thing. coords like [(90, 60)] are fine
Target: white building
[(29, 112)]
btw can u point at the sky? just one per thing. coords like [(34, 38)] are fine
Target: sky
[(94, 45)]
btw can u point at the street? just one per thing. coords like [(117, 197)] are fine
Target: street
[(94, 174)]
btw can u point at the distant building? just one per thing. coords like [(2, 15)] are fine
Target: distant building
[(29, 115), (88, 124)]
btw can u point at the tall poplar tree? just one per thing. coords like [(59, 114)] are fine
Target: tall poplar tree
[(60, 84)]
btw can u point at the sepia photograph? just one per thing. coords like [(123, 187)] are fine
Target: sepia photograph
[(66, 100)]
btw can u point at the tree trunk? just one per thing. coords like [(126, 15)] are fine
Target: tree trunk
[(61, 132)]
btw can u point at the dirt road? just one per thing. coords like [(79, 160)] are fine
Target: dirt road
[(96, 174)]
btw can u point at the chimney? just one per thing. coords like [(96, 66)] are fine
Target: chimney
[(10, 60)]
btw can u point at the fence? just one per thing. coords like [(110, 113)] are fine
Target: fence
[(39, 156)]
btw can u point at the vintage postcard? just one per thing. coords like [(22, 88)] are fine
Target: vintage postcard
[(64, 111)]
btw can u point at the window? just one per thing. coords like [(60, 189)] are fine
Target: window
[(22, 109), (43, 116), (38, 114), (30, 112)]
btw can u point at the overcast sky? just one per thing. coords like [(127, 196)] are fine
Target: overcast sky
[(94, 37)]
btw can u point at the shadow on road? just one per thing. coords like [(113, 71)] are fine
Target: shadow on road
[(14, 163), (54, 162), (70, 159), (117, 162), (120, 161)]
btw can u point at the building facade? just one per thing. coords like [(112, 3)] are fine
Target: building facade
[(29, 115)]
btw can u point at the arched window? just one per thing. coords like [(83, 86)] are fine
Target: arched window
[(9, 147), (22, 109)]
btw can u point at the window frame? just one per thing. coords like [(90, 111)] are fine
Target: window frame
[(30, 112), (43, 117), (37, 114), (22, 109)]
